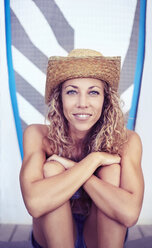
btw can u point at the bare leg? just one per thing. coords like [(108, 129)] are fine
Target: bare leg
[(101, 231), (111, 234), (55, 229)]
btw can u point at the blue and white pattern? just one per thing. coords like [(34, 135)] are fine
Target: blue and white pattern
[(43, 28)]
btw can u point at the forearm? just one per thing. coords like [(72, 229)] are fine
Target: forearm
[(115, 202), (47, 194)]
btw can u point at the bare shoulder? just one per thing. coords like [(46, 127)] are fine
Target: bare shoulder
[(133, 138), (34, 138), (35, 151), (36, 129), (133, 146)]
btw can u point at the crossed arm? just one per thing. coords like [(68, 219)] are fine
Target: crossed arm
[(120, 200)]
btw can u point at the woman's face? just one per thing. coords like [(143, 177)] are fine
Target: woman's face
[(82, 100)]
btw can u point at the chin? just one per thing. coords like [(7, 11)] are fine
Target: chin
[(84, 129)]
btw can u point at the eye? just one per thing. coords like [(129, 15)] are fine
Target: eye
[(94, 92), (71, 92)]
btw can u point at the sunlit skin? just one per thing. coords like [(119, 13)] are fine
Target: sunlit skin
[(82, 100)]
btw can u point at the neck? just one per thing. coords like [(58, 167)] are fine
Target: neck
[(77, 152), (78, 137)]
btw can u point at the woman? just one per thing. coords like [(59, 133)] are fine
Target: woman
[(81, 177)]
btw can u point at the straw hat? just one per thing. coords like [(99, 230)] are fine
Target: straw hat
[(81, 63)]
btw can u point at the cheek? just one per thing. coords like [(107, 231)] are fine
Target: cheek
[(99, 106), (68, 103), (66, 108)]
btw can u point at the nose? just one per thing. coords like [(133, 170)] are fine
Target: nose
[(82, 101)]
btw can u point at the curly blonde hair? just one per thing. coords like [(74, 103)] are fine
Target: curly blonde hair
[(108, 134)]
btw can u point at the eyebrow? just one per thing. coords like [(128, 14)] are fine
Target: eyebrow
[(71, 86), (76, 87)]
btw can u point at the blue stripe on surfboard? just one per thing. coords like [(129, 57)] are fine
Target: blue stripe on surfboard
[(12, 86), (139, 66)]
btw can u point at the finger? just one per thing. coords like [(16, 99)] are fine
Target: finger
[(51, 158)]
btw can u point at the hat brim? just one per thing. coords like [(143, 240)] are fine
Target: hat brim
[(61, 69)]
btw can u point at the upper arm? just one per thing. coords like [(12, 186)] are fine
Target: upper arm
[(131, 170), (34, 156)]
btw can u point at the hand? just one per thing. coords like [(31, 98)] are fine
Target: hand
[(108, 159), (67, 163)]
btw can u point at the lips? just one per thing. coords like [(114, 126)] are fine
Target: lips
[(82, 116)]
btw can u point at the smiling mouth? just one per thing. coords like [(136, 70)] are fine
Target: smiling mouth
[(82, 116)]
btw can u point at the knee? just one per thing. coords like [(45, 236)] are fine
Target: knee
[(110, 174), (52, 168)]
